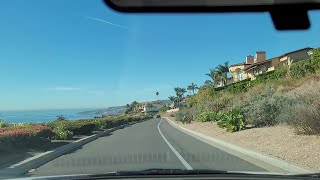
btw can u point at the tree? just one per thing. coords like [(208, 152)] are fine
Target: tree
[(157, 93), (213, 75), (61, 118), (172, 98), (183, 91), (192, 87), (208, 83), (222, 72), (179, 93)]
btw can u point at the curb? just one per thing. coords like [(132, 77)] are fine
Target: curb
[(260, 159), (24, 166)]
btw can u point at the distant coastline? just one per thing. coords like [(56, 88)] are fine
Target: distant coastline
[(117, 110)]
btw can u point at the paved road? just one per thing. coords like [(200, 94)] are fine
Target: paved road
[(150, 144)]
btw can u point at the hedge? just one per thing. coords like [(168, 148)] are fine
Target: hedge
[(24, 136)]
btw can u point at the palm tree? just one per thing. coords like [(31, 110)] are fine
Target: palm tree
[(208, 83), (222, 72), (213, 75), (183, 91), (180, 93), (157, 93), (192, 87)]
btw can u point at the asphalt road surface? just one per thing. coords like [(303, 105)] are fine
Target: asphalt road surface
[(146, 145)]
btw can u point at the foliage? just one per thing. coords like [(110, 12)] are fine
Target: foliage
[(23, 136), (219, 74), (99, 125), (131, 107), (205, 93), (62, 132), (232, 120), (302, 68), (184, 116), (303, 114), (316, 58), (61, 118), (192, 87), (164, 108), (213, 75), (239, 87), (263, 109), (3, 124), (206, 116), (172, 98)]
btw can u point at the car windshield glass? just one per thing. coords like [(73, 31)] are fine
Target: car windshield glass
[(87, 90)]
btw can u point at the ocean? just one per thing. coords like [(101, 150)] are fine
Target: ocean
[(39, 116)]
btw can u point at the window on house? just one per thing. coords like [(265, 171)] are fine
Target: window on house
[(240, 75)]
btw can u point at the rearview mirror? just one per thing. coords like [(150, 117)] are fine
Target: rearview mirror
[(286, 14)]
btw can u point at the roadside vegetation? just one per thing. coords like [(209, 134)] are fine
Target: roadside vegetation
[(289, 95), (28, 135)]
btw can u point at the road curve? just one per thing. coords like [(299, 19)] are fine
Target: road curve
[(149, 144)]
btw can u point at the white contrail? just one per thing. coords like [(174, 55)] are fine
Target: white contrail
[(110, 23)]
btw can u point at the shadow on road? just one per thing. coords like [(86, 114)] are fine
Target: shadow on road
[(12, 155)]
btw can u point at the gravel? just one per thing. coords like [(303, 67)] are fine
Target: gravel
[(279, 141)]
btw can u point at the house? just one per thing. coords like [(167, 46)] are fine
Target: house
[(150, 108), (238, 70), (254, 66), (296, 56), (262, 67), (139, 107)]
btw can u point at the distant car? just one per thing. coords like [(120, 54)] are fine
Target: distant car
[(157, 116)]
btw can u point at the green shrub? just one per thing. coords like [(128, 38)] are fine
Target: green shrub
[(3, 124), (99, 125), (222, 119), (164, 108), (61, 118), (232, 120), (239, 87), (302, 68), (184, 116), (206, 116), (79, 127), (62, 133), (316, 58)]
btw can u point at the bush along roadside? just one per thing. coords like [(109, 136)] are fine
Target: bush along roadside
[(25, 135), (231, 120)]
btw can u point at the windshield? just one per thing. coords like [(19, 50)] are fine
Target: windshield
[(87, 90)]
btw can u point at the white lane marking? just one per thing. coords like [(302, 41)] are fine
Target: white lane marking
[(184, 162)]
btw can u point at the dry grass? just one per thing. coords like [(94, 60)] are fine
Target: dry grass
[(310, 86)]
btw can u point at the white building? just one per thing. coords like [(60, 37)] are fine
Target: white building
[(150, 108)]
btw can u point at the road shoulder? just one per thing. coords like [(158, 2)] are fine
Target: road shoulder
[(260, 159)]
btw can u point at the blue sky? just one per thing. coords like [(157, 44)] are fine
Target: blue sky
[(80, 54)]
